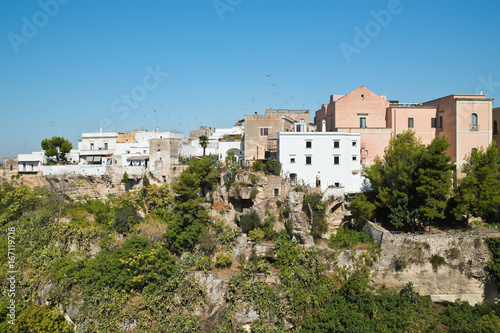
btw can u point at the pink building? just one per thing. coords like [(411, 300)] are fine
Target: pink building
[(496, 122), (466, 120)]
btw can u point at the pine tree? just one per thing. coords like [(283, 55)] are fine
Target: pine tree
[(434, 181), (478, 193), (393, 179)]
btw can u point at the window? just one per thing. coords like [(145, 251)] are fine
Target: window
[(336, 144), (495, 129), (362, 122), (292, 159), (433, 122), (473, 122), (410, 122), (10, 167), (308, 160), (264, 131), (337, 184), (355, 143), (354, 158), (440, 121), (336, 159), (105, 145), (309, 144), (473, 150), (362, 97), (276, 192), (91, 146)]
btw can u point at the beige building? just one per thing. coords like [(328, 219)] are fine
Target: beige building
[(202, 130), (261, 131), (261, 134), (163, 153), (466, 120)]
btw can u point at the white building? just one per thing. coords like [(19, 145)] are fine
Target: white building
[(321, 159), (96, 148), (31, 163), (220, 143)]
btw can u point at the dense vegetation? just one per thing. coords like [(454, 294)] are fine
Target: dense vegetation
[(152, 240), (412, 184)]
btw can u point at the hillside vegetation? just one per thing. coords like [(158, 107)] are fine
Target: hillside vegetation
[(142, 262)]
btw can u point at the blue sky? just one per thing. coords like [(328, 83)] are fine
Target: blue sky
[(73, 66)]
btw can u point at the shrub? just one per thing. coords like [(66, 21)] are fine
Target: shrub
[(254, 193), (134, 266), (436, 262), (347, 238), (254, 178), (319, 225), (241, 259), (400, 262), (268, 228), (223, 260), (43, 320), (249, 221), (257, 166), (125, 217), (272, 167), (203, 263), (207, 243), (257, 235), (361, 208)]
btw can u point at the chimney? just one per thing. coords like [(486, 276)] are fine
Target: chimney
[(323, 125), (100, 130)]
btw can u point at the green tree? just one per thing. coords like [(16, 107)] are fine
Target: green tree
[(249, 221), (272, 167), (203, 142), (190, 216), (434, 180), (412, 182), (478, 193), (205, 173), (394, 177), (58, 147), (361, 208)]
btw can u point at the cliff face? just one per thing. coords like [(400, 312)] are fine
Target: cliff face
[(458, 271)]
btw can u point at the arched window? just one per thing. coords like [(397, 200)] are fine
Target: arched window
[(495, 129), (473, 150), (473, 122)]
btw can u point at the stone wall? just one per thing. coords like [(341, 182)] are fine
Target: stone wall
[(406, 257)]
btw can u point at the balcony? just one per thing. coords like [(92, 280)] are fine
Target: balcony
[(474, 127)]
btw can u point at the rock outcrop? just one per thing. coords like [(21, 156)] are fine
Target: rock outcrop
[(459, 274)]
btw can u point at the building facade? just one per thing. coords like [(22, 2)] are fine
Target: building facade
[(321, 159), (466, 121)]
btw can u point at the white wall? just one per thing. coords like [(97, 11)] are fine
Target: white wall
[(292, 145), (84, 170), (98, 140), (145, 136)]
